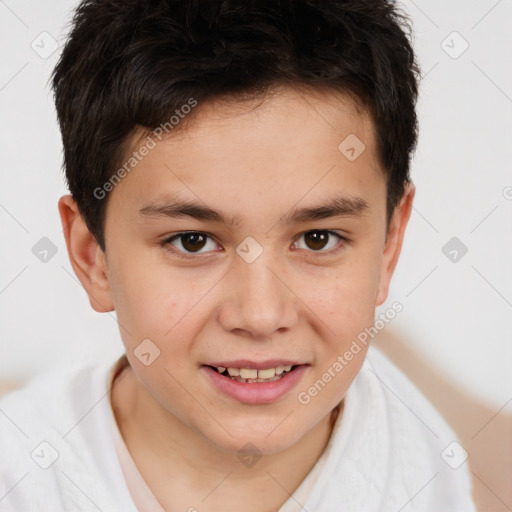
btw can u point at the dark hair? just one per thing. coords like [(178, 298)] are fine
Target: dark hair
[(130, 64)]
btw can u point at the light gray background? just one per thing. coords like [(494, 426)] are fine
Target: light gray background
[(457, 315)]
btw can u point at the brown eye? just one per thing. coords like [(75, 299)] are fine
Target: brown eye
[(190, 242), (193, 241), (317, 240)]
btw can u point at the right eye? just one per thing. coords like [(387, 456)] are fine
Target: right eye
[(191, 242)]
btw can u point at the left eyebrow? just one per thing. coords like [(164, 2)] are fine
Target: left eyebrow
[(342, 206)]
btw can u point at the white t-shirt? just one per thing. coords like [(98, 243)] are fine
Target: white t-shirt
[(61, 450)]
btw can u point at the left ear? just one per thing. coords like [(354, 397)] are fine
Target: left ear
[(393, 245)]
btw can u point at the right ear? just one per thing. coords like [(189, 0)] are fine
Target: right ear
[(86, 256)]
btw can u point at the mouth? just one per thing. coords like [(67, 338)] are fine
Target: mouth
[(252, 383), (254, 375)]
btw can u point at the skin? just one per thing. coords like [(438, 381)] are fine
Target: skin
[(257, 160)]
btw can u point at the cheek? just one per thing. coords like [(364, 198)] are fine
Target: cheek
[(347, 297), (152, 301)]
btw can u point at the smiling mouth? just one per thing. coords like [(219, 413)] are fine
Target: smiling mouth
[(250, 376)]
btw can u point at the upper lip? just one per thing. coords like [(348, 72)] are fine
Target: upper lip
[(261, 365)]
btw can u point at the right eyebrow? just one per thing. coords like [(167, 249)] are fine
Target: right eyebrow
[(176, 207)]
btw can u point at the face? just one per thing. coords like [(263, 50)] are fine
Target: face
[(281, 262)]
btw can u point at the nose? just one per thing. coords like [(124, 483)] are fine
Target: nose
[(259, 301)]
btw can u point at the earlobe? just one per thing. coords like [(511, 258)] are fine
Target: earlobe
[(86, 257), (394, 241)]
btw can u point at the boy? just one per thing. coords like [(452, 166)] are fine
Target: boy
[(239, 177)]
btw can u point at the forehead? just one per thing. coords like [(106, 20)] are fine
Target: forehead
[(281, 107), (275, 149)]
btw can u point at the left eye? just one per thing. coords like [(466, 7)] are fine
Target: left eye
[(318, 240)]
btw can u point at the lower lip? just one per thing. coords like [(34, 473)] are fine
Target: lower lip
[(255, 392)]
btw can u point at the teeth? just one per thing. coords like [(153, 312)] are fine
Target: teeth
[(253, 373), (266, 374), (248, 373)]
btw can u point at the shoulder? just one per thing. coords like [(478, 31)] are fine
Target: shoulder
[(419, 439), (51, 398), (404, 401), (44, 428)]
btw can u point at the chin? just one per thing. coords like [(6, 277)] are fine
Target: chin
[(252, 439)]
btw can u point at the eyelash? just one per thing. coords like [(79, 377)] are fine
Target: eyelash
[(342, 241)]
